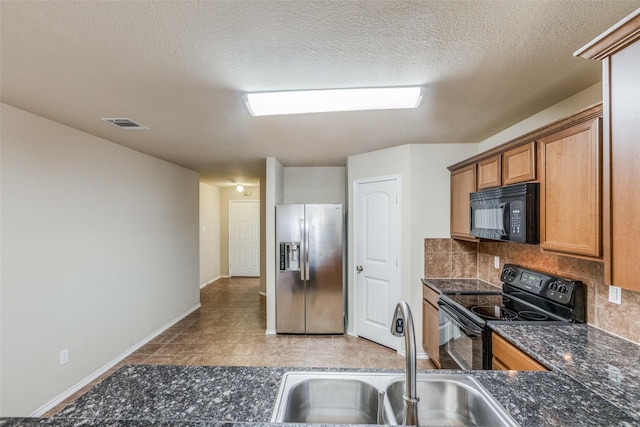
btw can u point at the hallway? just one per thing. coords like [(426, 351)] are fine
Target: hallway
[(229, 330)]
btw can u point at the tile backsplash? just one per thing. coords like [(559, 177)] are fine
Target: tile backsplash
[(445, 258)]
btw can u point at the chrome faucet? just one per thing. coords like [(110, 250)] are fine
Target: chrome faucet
[(402, 326)]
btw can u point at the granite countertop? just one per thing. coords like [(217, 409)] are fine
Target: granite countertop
[(605, 364), (147, 395), (591, 365), (460, 286)]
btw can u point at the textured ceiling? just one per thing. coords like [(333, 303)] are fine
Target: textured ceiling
[(179, 67)]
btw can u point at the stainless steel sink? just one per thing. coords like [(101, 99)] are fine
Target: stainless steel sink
[(353, 398), (329, 397), (323, 400), (451, 400)]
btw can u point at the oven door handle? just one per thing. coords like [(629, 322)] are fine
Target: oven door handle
[(466, 326)]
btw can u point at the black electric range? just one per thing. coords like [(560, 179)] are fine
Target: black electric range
[(527, 296)]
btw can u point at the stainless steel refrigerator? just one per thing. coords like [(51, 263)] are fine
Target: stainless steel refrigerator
[(309, 279)]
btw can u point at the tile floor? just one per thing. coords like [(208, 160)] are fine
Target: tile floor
[(228, 329)]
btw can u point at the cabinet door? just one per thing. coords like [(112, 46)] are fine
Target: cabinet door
[(506, 356), (463, 182), (519, 164), (431, 332), (623, 268), (570, 201), (490, 172)]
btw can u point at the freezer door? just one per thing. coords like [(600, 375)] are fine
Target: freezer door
[(323, 244), (290, 289)]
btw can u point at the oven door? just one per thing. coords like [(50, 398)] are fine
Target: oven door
[(461, 340)]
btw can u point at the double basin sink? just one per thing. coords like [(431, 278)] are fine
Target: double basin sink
[(377, 398)]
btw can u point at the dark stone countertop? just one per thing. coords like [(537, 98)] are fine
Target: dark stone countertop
[(607, 365), (460, 286), (215, 396)]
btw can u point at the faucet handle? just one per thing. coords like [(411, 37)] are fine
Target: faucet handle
[(397, 324)]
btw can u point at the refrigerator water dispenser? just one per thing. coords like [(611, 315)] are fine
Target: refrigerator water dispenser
[(290, 256)]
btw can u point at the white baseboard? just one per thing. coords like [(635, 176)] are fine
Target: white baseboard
[(69, 392), (419, 354), (270, 332), (208, 282)]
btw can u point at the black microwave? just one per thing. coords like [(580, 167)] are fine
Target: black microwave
[(508, 213)]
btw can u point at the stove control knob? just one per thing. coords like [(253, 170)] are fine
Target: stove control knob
[(553, 286), (562, 289), (508, 274)]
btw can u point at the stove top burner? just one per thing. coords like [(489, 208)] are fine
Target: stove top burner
[(494, 312), (466, 300), (526, 296), (533, 315), (471, 300)]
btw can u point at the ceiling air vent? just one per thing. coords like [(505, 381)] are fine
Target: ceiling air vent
[(126, 124)]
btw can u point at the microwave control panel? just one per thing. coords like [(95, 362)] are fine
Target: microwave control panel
[(516, 225)]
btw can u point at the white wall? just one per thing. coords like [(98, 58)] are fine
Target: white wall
[(210, 240), (99, 252), (391, 161), (315, 185), (424, 204), (589, 96), (263, 230), (274, 195), (430, 213)]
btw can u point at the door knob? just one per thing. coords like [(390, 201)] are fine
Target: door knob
[(359, 269)]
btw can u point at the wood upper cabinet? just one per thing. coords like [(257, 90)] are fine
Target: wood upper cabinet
[(619, 50), (519, 164), (431, 324), (490, 172), (506, 356), (463, 182), (570, 202)]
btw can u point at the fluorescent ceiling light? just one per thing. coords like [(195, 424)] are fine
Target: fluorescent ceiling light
[(316, 101)]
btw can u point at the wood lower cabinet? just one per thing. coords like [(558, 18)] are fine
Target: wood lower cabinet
[(570, 193), (431, 324), (507, 357), (519, 164), (619, 50), (463, 182)]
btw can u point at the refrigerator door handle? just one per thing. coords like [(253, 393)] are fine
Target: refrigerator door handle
[(302, 252), (306, 250)]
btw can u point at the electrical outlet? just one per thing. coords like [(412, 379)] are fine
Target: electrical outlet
[(64, 356), (496, 262), (615, 377), (615, 295)]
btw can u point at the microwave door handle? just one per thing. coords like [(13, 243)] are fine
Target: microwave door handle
[(468, 328), (506, 219)]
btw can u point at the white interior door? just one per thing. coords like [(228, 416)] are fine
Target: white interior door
[(377, 258), (244, 238)]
